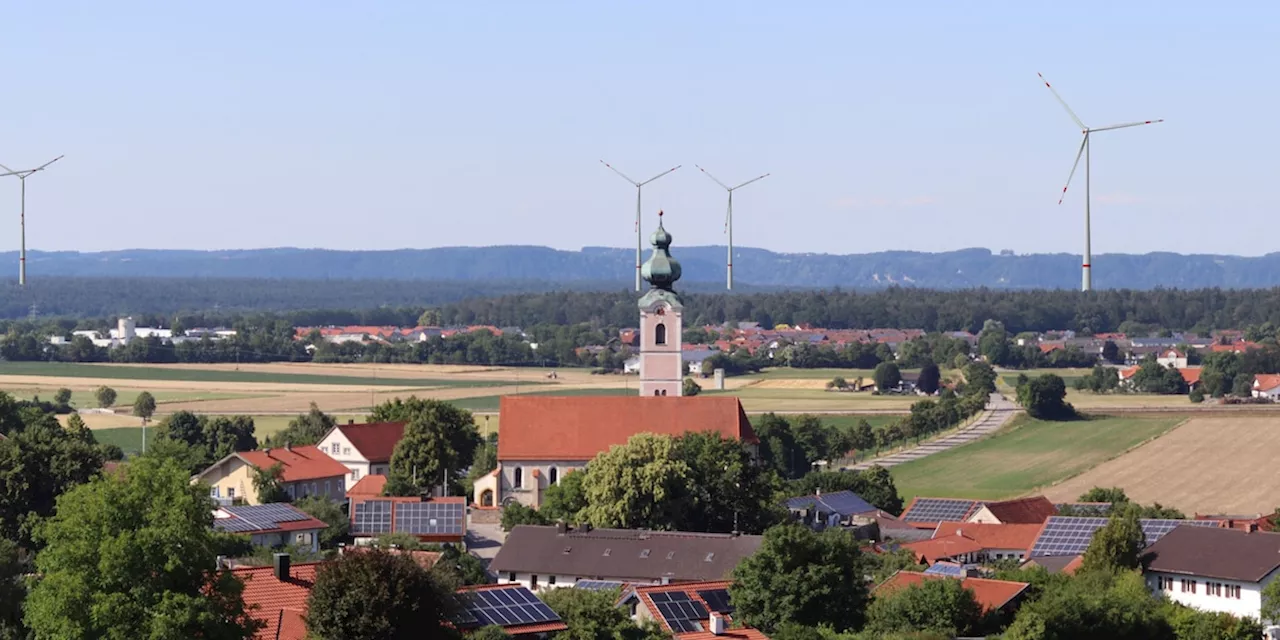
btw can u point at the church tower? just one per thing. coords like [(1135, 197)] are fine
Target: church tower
[(661, 363)]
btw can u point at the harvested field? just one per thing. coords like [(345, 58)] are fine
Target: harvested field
[(1207, 465)]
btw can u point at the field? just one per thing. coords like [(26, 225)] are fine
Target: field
[(1207, 465), (1026, 455)]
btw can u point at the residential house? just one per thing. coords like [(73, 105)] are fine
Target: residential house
[(1033, 510), (510, 606), (365, 449), (560, 555), (1056, 564), (271, 525), (435, 520), (370, 486), (689, 611), (306, 471), (968, 542), (1175, 358), (545, 437), (1214, 569), (828, 510), (1266, 385), (1255, 522), (1001, 596)]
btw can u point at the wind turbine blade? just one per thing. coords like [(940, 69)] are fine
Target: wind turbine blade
[(624, 176), (1063, 102), (751, 180), (11, 171), (41, 167), (1126, 125), (660, 175), (717, 180), (1074, 165)]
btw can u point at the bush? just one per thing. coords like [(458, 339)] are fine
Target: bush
[(690, 388), (1196, 396)]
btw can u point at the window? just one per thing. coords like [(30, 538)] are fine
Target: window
[(335, 448), (511, 576), (664, 392), (346, 451), (1236, 592), (655, 392), (1166, 584), (213, 491), (710, 557), (533, 582), (551, 580), (313, 488), (553, 476), (290, 490), (644, 553), (340, 489), (607, 552), (518, 478), (660, 334), (327, 490), (231, 493), (355, 474)]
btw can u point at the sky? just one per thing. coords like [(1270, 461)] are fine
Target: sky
[(885, 126)]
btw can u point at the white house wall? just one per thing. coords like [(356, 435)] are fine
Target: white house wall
[(1249, 603), (529, 490), (356, 464)]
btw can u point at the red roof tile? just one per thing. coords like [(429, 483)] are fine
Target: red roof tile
[(578, 428), (990, 594), (368, 486), (1266, 382), (374, 440), (300, 463), (645, 593), (991, 536), (935, 549), (266, 598), (1190, 374), (1033, 510)]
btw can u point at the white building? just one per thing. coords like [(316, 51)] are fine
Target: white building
[(1266, 386), (1172, 358), (364, 449), (1213, 569)]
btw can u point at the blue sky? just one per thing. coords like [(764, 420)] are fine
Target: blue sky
[(412, 124)]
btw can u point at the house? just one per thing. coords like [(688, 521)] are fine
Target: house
[(992, 595), (695, 357), (510, 606), (277, 596), (970, 543), (436, 520), (1255, 522), (1056, 564), (1071, 535), (370, 486), (926, 513), (1175, 358), (364, 449), (1214, 569), (689, 610), (544, 437), (271, 525), (1033, 510), (560, 555), (828, 510), (306, 471), (1266, 386)]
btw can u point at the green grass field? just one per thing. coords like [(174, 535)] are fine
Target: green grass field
[(1026, 455), (841, 421), (815, 400), (129, 439), (75, 370), (787, 373), (490, 403), (125, 397)]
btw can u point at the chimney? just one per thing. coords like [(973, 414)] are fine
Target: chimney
[(221, 563), (351, 420), (281, 563), (562, 527), (267, 451), (717, 624), (819, 492), (288, 446)]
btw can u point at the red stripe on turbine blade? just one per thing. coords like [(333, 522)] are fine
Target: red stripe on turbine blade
[(1085, 266)]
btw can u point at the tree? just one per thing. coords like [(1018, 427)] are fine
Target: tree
[(106, 396), (377, 595), (62, 397), (1111, 352), (779, 449), (1196, 396), (1192, 624), (144, 406), (305, 429), (491, 632), (939, 605), (979, 378), (883, 565), (887, 376), (516, 514), (1117, 545), (330, 513), (930, 378), (440, 441), (864, 437), (456, 568), (565, 499), (269, 484), (1044, 397), (13, 591), (1271, 601), (690, 388), (594, 615), (729, 491), (105, 546), (1102, 604), (38, 464), (803, 577), (1104, 494), (639, 485)]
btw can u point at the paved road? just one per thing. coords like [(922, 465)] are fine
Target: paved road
[(997, 414)]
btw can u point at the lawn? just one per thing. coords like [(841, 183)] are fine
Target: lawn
[(129, 439), (842, 421), (815, 400), (77, 370), (1026, 455)]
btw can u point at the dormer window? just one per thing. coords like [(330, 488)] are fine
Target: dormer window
[(607, 552), (644, 553)]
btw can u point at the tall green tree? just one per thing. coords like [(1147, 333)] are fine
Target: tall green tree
[(1193, 624), (730, 492), (802, 577), (641, 484), (132, 556), (378, 595), (1271, 602), (595, 615), (62, 396), (439, 443), (565, 499), (1098, 604), (38, 464), (144, 406), (330, 513), (940, 606), (13, 591), (930, 379), (979, 378), (268, 484), (887, 376), (1044, 397), (106, 396), (1117, 545)]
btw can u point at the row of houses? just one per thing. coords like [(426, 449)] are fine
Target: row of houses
[(390, 334)]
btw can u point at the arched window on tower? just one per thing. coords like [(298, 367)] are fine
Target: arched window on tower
[(660, 334)]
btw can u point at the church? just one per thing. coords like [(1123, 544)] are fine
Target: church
[(542, 438)]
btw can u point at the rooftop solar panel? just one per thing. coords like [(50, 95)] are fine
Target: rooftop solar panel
[(1069, 536), (268, 516), (234, 524), (939, 510), (371, 517), (597, 585), (717, 600), (946, 569), (504, 607), (430, 518)]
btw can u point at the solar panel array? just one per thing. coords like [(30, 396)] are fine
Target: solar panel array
[(371, 517), (430, 518), (1069, 536), (939, 510), (841, 502), (597, 585), (717, 600), (951, 570), (258, 517), (680, 612), (506, 607)]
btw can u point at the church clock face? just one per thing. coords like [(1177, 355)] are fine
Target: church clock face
[(662, 311)]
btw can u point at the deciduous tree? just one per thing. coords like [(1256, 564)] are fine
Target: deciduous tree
[(439, 443), (331, 513), (640, 484), (594, 615), (144, 406), (269, 484), (938, 605), (1117, 545), (887, 376), (304, 429), (802, 577), (930, 379), (38, 464), (106, 396), (378, 595)]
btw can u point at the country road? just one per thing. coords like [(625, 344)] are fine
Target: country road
[(998, 412)]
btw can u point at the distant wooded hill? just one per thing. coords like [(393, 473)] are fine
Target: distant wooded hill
[(614, 268)]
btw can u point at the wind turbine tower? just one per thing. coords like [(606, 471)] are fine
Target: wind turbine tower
[(639, 186), (22, 178), (728, 220), (1086, 276)]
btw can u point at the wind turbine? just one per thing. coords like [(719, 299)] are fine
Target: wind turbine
[(22, 178), (728, 219), (639, 186), (1086, 276)]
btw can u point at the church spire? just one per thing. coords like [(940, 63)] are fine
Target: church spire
[(661, 270)]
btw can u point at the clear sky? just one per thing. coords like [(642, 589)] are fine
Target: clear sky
[(377, 125)]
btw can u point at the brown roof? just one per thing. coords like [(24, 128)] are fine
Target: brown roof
[(1057, 564), (622, 554), (277, 602), (1033, 510), (299, 463), (991, 536), (1266, 381), (374, 440), (990, 594), (1212, 552), (579, 428), (368, 486), (935, 549)]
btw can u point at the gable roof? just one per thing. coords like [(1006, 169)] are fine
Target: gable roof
[(299, 463), (622, 554), (1228, 554), (579, 428), (845, 503), (373, 440), (991, 536), (992, 595), (275, 602), (1033, 510), (369, 486), (644, 595), (471, 614), (1057, 564), (264, 518), (935, 549), (925, 512), (1266, 381)]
